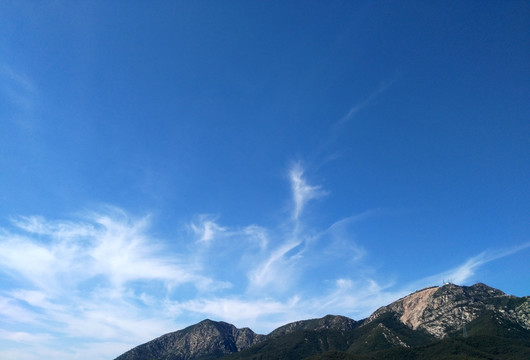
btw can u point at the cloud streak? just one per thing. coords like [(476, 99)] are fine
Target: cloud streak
[(103, 283), (465, 272), (107, 246), (206, 229), (355, 109), (302, 191), (280, 266), (337, 127), (21, 93)]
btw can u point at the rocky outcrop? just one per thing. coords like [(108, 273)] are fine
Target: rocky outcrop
[(441, 310), (206, 340)]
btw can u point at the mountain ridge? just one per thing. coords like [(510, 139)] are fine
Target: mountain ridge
[(440, 310), (428, 317), (188, 343)]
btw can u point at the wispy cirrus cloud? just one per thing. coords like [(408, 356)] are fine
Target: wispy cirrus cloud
[(103, 283), (281, 263), (241, 310), (13, 311), (206, 229), (356, 108), (277, 270), (302, 191), (106, 246), (89, 280), (337, 127), (466, 271), (21, 93), (16, 83), (25, 337)]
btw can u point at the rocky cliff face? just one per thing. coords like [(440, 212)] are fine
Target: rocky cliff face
[(205, 340), (441, 310)]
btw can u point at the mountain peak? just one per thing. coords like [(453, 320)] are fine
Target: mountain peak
[(206, 339), (329, 322), (441, 309)]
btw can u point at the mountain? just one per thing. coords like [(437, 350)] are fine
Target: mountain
[(301, 339), (445, 322), (442, 310), (328, 322), (203, 341)]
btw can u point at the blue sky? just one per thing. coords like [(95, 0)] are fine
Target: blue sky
[(252, 162)]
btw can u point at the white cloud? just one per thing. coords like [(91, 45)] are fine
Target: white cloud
[(24, 337), (103, 283), (339, 239), (279, 266), (241, 311), (463, 273), (34, 298), (276, 270), (84, 279), (61, 351), (110, 246), (302, 191), (21, 354), (207, 229), (354, 297), (258, 235), (28, 260), (38, 225)]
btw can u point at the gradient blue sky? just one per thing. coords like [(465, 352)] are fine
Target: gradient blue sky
[(162, 162)]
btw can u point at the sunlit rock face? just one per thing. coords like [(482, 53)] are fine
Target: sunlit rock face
[(441, 310), (205, 339)]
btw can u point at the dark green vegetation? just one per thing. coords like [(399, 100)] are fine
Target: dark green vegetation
[(449, 322), (470, 348), (489, 340)]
